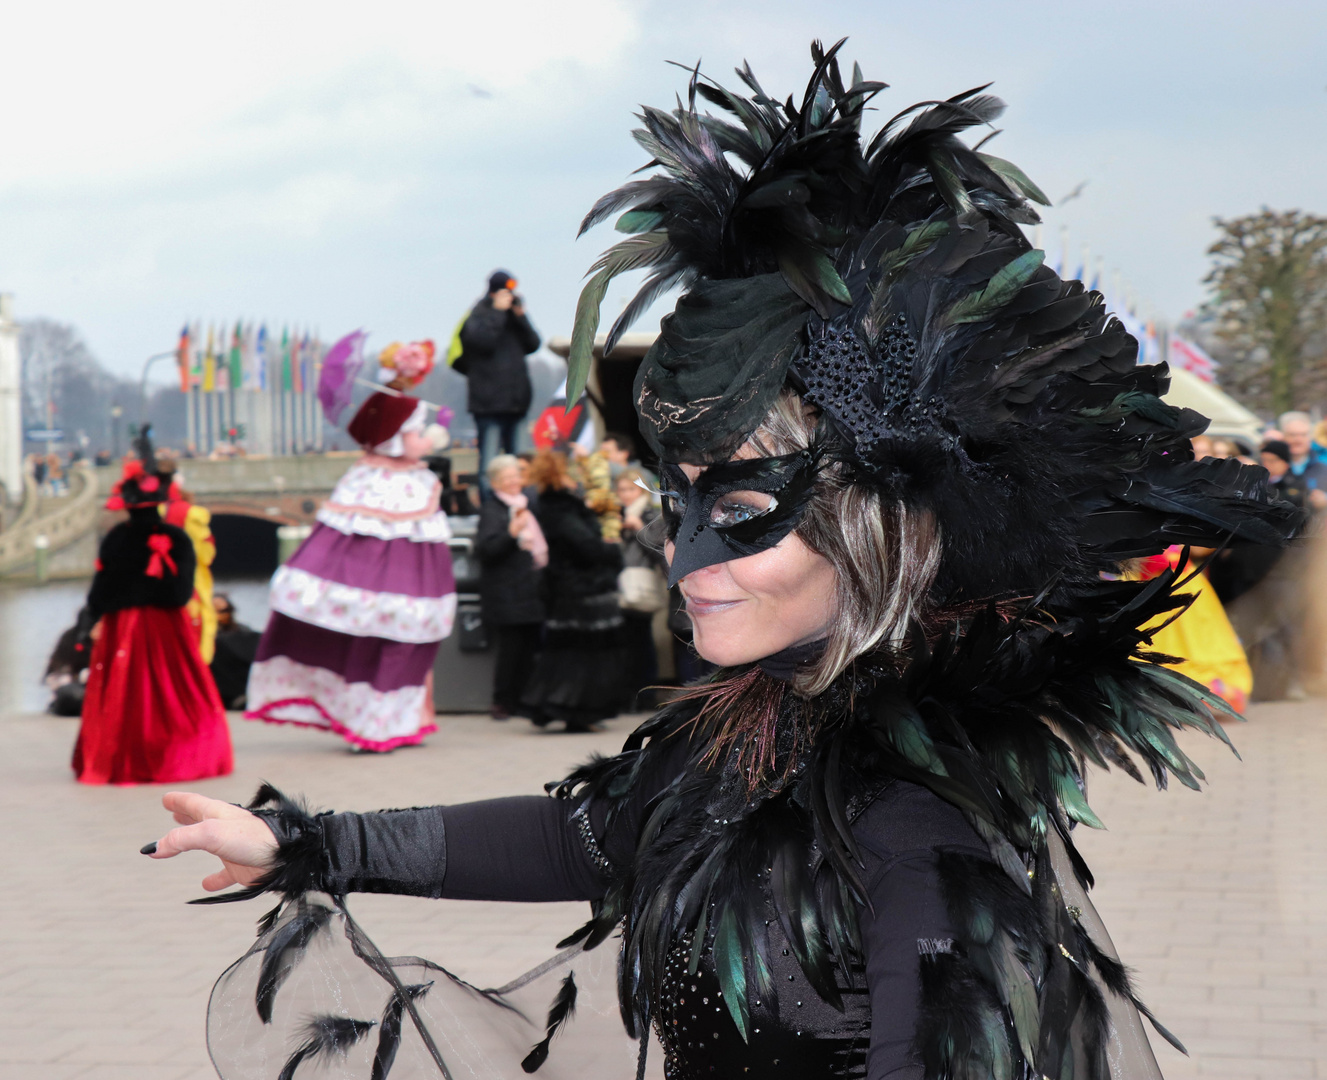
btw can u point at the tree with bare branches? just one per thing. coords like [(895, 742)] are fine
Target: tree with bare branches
[(1269, 304)]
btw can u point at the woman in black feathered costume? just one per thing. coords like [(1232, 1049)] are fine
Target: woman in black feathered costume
[(902, 462)]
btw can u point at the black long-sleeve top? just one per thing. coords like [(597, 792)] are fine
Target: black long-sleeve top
[(127, 554), (531, 848)]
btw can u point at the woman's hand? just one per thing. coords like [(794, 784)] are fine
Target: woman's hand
[(243, 843), (517, 523)]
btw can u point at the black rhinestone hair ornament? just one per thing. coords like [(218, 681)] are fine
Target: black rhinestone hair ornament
[(869, 397)]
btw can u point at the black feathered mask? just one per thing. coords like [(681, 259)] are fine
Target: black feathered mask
[(889, 282)]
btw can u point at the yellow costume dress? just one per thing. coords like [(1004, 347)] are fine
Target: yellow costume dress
[(1206, 645), (196, 521)]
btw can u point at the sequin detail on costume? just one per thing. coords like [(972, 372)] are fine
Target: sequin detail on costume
[(868, 392), (601, 861)]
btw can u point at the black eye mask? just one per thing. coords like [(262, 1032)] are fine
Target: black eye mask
[(734, 509)]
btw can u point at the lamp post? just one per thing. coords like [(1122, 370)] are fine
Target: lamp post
[(147, 366), (116, 413)]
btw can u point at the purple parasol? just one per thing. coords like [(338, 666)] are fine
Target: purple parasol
[(336, 384)]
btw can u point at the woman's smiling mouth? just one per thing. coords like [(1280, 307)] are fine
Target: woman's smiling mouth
[(705, 605)]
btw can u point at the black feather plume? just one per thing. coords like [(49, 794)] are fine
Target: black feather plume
[(704, 217), (564, 1005), (283, 953), (389, 1032), (326, 1037)]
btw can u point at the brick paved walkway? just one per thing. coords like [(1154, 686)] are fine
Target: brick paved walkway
[(104, 972)]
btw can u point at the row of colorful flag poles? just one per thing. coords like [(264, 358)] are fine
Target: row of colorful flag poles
[(1156, 341), (246, 387), (247, 357)]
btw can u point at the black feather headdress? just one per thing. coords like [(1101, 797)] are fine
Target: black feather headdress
[(889, 282)]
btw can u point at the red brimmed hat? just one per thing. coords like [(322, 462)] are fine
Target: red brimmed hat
[(380, 418)]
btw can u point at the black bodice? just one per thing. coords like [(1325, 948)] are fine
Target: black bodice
[(794, 1033), (143, 562)]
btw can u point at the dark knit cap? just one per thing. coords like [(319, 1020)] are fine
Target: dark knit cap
[(500, 279), (1278, 447)]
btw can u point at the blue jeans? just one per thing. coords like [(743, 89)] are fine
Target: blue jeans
[(502, 428)]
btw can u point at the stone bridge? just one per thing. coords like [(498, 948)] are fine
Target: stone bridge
[(279, 490), (249, 497), (62, 528)]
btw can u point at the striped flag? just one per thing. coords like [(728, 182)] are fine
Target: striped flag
[(256, 342), (285, 359), (182, 353), (196, 353), (237, 379), (1188, 356), (296, 364), (210, 364)]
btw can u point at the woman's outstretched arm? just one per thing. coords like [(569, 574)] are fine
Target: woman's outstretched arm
[(521, 848)]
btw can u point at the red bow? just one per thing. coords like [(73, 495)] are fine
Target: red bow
[(160, 544)]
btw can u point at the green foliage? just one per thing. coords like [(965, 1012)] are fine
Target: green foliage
[(1269, 301)]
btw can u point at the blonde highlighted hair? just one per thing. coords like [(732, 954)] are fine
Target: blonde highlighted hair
[(884, 554)]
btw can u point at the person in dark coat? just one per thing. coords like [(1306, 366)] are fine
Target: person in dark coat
[(67, 670), (236, 647), (495, 340), (1265, 593), (581, 675), (512, 553)]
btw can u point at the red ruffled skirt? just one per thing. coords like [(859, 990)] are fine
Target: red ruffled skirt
[(151, 713)]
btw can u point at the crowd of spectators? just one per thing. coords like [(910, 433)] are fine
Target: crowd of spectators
[(572, 585), (1274, 598)]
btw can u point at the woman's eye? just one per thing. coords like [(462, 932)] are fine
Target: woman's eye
[(739, 506)]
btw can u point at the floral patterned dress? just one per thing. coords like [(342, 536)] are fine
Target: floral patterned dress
[(358, 611)]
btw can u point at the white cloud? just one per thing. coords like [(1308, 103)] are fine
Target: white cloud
[(99, 90)]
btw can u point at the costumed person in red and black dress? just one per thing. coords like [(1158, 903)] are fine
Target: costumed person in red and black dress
[(150, 712), (900, 458), (359, 610)]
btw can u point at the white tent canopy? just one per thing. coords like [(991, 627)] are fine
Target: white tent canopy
[(1230, 419)]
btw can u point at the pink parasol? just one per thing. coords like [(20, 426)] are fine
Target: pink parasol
[(341, 365)]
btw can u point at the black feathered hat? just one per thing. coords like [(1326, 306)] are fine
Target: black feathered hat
[(142, 482), (890, 283)]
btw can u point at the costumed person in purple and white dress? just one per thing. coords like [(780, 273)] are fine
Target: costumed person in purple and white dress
[(358, 611)]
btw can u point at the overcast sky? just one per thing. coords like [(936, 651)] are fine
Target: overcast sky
[(339, 165)]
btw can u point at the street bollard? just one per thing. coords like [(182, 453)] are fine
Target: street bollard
[(288, 538), (42, 550)]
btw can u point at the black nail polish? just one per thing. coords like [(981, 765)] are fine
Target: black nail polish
[(148, 849)]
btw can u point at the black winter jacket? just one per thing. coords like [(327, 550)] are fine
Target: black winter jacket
[(496, 344), (508, 580), (581, 563), (122, 580)]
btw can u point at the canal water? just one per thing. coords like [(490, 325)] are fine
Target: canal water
[(33, 618)]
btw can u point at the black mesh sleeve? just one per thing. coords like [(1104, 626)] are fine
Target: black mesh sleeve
[(391, 851), (522, 848), (525, 848)]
